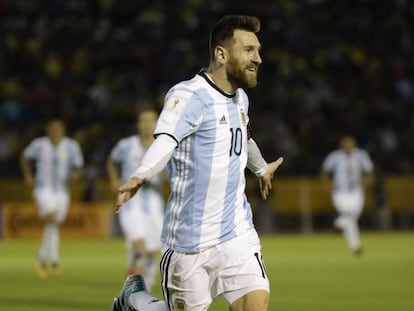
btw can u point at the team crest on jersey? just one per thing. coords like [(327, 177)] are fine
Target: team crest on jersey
[(176, 104), (180, 305), (243, 118)]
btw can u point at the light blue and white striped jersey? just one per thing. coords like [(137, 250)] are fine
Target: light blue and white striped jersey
[(54, 163), (128, 152), (348, 169), (207, 203)]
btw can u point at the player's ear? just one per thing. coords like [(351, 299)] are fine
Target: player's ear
[(221, 54)]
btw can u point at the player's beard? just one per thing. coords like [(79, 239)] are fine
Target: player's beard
[(239, 76)]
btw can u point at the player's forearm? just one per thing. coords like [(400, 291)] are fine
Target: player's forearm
[(156, 157), (112, 171), (368, 180), (255, 162), (25, 167), (325, 179), (76, 173)]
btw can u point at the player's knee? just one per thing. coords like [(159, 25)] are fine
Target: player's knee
[(139, 245), (254, 301), (50, 218)]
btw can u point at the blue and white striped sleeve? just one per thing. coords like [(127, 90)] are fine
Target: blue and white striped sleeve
[(182, 114), (119, 151), (32, 151)]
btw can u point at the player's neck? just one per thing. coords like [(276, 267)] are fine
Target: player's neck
[(146, 141), (55, 141), (219, 77)]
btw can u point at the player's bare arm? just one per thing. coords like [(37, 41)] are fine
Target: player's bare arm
[(114, 178), (326, 180), (266, 180), (76, 173), (127, 191), (26, 170)]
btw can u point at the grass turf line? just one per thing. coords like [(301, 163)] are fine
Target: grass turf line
[(315, 272)]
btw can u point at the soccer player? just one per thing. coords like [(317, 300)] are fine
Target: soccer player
[(141, 218), (351, 170), (57, 159), (210, 245)]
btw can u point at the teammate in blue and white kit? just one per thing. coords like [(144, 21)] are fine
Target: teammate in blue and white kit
[(211, 247), (141, 218), (351, 169), (57, 159)]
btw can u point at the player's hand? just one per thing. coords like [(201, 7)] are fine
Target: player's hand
[(116, 183), (266, 180), (29, 180), (75, 174), (127, 191)]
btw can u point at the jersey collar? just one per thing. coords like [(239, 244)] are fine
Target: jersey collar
[(203, 73)]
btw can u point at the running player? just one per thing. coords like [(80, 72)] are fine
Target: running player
[(57, 159), (351, 169), (210, 245), (141, 217)]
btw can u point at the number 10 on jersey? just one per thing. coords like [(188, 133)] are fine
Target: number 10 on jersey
[(236, 141)]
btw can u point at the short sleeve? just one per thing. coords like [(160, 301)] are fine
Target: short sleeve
[(181, 116), (329, 162), (366, 162), (32, 151), (118, 152), (77, 160)]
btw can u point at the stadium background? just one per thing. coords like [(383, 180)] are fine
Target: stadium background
[(329, 67)]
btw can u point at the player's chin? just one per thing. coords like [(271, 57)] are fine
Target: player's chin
[(250, 80), (251, 83)]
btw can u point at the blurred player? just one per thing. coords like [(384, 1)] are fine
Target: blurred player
[(210, 245), (351, 170), (141, 218), (57, 159)]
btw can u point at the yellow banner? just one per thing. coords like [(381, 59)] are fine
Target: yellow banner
[(84, 220)]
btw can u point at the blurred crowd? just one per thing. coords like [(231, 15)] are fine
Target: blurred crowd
[(329, 68)]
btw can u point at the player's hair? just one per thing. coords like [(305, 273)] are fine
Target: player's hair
[(222, 32), (145, 108)]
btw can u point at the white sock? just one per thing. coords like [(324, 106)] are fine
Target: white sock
[(150, 272), (351, 233), (44, 251), (54, 243), (131, 256), (144, 301)]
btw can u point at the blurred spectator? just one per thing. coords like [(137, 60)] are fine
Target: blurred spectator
[(330, 66)]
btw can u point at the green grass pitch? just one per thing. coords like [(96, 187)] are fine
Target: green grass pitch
[(315, 272)]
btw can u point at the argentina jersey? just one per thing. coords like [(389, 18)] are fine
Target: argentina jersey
[(54, 163), (348, 169), (128, 152), (207, 203)]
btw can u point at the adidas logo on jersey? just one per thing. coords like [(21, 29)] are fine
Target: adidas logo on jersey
[(223, 120)]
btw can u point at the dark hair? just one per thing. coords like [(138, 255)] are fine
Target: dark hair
[(224, 29)]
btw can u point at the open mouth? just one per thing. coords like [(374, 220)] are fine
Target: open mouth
[(251, 71)]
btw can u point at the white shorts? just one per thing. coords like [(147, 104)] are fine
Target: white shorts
[(348, 202), (142, 218), (231, 269), (50, 201)]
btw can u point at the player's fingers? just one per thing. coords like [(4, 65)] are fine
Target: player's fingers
[(265, 191), (262, 192), (264, 195), (122, 198), (277, 163), (126, 187)]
